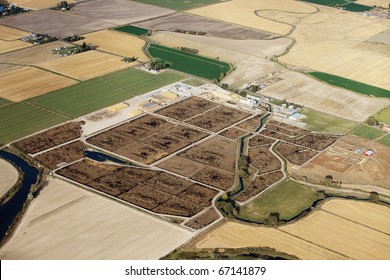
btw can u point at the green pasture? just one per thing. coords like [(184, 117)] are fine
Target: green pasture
[(135, 30), (368, 132)]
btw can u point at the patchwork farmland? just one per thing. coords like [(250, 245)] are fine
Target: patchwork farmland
[(190, 63)]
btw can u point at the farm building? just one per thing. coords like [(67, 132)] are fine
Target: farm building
[(368, 153)]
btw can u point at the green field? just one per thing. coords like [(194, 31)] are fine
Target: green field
[(21, 119), (4, 102), (351, 85), (345, 4), (135, 30), (190, 63), (89, 96), (180, 5), (385, 140), (384, 116), (368, 132), (321, 122), (288, 199)]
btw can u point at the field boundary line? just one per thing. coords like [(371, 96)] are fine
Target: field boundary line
[(352, 221), (47, 109)]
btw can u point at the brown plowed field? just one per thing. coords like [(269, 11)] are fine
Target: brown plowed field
[(215, 177), (295, 154), (181, 166), (315, 141), (156, 191), (286, 129), (260, 140), (259, 184), (273, 134), (187, 108), (50, 138), (203, 220), (263, 159), (142, 153), (233, 133), (251, 124), (65, 154), (218, 118), (218, 152), (200, 24)]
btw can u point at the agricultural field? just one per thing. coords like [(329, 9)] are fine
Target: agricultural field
[(200, 25), (351, 85), (22, 119), (4, 102), (181, 4), (190, 63), (312, 94), (203, 219), (11, 34), (289, 199), (247, 67), (86, 65), (382, 3), (368, 132), (8, 46), (241, 12), (120, 12), (86, 218), (349, 6), (106, 91), (37, 4), (155, 191), (117, 43), (355, 233), (345, 161), (326, 44), (133, 30), (26, 82), (8, 177), (321, 122), (385, 140), (384, 116), (55, 23)]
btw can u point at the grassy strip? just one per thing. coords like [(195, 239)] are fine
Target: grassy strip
[(351, 85), (89, 96), (321, 122), (135, 30), (21, 119), (368, 132), (179, 5), (190, 63), (288, 199)]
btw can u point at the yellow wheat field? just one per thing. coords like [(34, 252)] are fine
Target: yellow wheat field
[(23, 83), (241, 12), (369, 214), (321, 235), (383, 3), (8, 46), (9, 34), (117, 43), (37, 4), (85, 65), (67, 222), (8, 176), (335, 42)]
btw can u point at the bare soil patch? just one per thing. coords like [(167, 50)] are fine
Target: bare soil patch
[(260, 140), (263, 159), (261, 183), (186, 22), (251, 124), (315, 141), (295, 154), (215, 177), (203, 219), (181, 166), (50, 138), (233, 133)]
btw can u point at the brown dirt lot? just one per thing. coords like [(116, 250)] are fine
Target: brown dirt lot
[(215, 177), (374, 170), (218, 152), (86, 65), (200, 24), (233, 133), (55, 23), (260, 183), (50, 138), (251, 124), (218, 118), (26, 82), (260, 140), (203, 220), (156, 191), (142, 153), (315, 141), (65, 154), (262, 158), (273, 134), (181, 166), (119, 12), (187, 108), (288, 130), (118, 43), (295, 154)]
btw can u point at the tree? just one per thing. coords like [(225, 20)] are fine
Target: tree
[(328, 180), (374, 197)]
